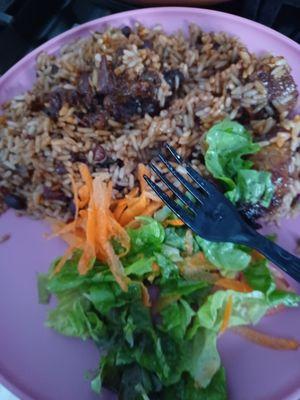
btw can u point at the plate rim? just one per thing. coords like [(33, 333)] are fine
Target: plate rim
[(142, 11)]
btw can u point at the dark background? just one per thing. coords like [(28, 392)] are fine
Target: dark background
[(25, 24)]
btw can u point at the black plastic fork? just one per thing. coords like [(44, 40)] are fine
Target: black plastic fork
[(213, 217)]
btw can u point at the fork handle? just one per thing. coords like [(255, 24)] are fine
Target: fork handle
[(276, 254)]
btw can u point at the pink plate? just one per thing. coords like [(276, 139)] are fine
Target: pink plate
[(38, 364)]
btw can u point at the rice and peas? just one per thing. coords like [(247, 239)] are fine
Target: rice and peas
[(111, 100)]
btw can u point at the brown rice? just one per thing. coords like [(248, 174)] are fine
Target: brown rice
[(220, 80)]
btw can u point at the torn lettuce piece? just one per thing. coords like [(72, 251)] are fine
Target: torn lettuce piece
[(148, 237), (228, 143), (227, 257), (73, 316), (259, 277), (247, 308)]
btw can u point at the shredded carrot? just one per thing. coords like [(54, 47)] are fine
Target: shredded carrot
[(233, 284), (227, 314), (133, 193), (63, 260), (155, 267), (257, 256), (98, 219), (174, 222), (153, 196), (120, 208), (135, 204), (265, 340), (197, 262), (134, 210), (151, 208), (116, 266), (142, 170), (83, 194), (86, 176), (89, 249)]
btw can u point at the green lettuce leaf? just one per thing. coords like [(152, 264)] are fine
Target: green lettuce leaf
[(148, 237), (131, 382), (247, 308), (68, 278), (182, 287), (176, 318), (281, 297), (140, 267), (167, 266), (43, 292), (252, 186), (187, 390), (203, 357), (73, 317), (227, 257), (228, 142), (259, 277)]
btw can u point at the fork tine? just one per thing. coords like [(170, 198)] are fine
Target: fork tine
[(205, 185), (190, 188), (173, 188), (208, 187), (169, 202), (174, 153)]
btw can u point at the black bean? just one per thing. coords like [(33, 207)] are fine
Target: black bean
[(77, 157), (51, 194), (126, 30), (14, 201), (54, 69), (148, 44), (100, 155), (119, 52), (96, 120), (36, 104), (109, 161), (151, 76), (120, 163), (118, 187), (150, 107), (60, 169), (55, 104), (84, 83), (216, 46), (72, 207), (174, 78)]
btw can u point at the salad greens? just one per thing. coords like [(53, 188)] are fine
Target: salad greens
[(228, 142), (159, 337), (168, 349)]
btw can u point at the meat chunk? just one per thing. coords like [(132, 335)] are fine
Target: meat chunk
[(106, 78), (275, 160), (127, 99), (281, 88)]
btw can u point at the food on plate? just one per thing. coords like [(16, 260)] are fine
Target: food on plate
[(153, 296), (110, 100)]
